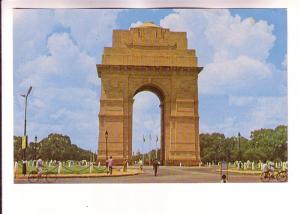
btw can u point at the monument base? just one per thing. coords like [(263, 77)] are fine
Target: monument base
[(119, 162), (182, 163)]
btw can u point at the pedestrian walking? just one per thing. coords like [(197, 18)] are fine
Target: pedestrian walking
[(155, 166), (110, 164), (141, 164)]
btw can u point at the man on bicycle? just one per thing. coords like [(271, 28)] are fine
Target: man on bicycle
[(39, 167)]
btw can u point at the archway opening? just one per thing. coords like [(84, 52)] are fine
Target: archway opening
[(147, 126)]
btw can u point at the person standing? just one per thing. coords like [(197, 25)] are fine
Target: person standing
[(16, 169), (110, 164), (106, 164), (155, 166), (39, 167)]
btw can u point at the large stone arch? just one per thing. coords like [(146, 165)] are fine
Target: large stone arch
[(150, 58), (159, 92)]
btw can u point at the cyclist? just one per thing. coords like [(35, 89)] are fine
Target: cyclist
[(39, 167)]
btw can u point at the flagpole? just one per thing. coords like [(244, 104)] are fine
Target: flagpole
[(156, 147), (143, 147), (149, 154)]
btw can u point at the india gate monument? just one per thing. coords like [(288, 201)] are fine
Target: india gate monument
[(149, 58)]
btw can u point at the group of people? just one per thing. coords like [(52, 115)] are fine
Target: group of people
[(109, 165), (155, 165), (268, 168)]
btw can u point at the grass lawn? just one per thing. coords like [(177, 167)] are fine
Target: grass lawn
[(64, 169)]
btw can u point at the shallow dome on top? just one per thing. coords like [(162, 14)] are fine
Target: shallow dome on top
[(147, 24)]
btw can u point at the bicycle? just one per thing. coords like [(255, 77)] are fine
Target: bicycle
[(47, 175), (280, 176)]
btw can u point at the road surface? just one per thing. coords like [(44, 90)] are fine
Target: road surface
[(167, 174)]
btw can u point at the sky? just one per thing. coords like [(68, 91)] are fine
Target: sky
[(242, 87)]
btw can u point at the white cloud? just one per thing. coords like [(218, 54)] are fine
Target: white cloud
[(64, 66), (232, 76), (30, 31), (64, 98), (233, 51), (56, 52), (91, 29), (226, 35), (136, 24), (258, 112)]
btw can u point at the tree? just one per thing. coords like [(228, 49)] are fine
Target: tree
[(17, 148), (271, 143), (264, 144), (54, 147)]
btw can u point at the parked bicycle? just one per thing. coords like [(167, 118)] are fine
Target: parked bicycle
[(281, 176), (47, 176)]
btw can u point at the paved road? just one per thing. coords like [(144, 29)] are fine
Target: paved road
[(167, 175)]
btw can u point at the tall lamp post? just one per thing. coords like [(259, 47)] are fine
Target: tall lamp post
[(106, 136), (24, 140), (35, 145), (239, 139)]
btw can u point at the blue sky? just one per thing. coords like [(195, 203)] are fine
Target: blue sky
[(242, 87)]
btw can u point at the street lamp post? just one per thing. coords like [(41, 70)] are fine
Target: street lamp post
[(239, 139), (106, 136), (25, 136), (35, 145)]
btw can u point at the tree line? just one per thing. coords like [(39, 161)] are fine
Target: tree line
[(147, 156), (264, 144), (53, 147)]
